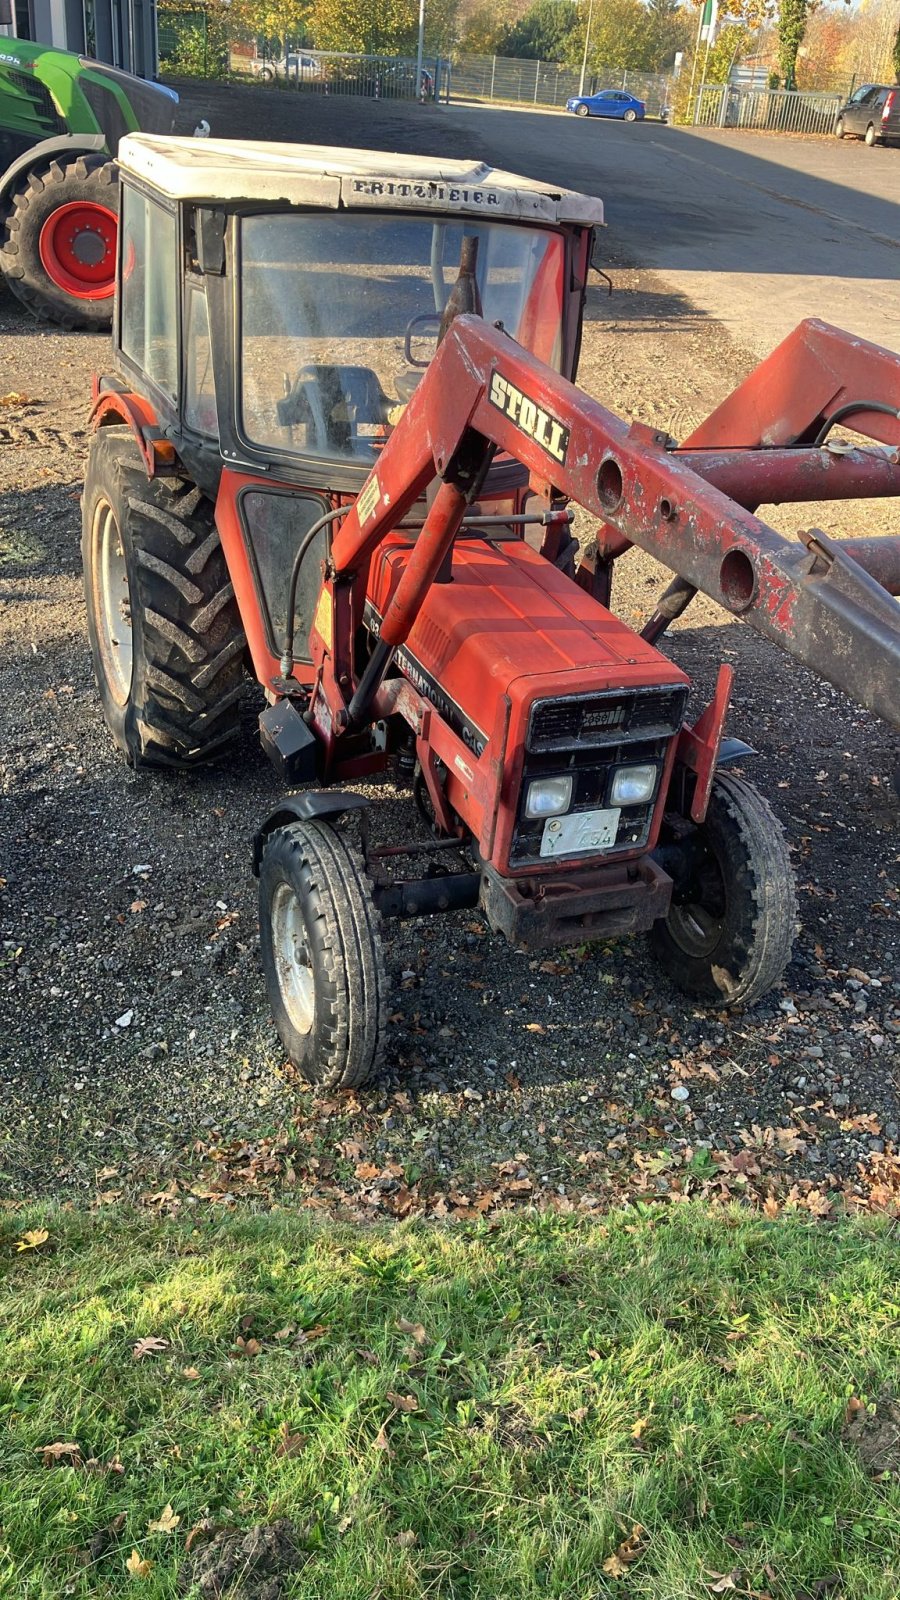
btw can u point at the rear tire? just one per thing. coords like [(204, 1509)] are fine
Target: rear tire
[(164, 628), (870, 135), (582, 111), (59, 246), (630, 116), (730, 929), (322, 956)]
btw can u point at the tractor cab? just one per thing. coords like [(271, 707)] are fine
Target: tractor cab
[(313, 286)]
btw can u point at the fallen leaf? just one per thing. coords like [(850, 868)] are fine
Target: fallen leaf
[(138, 1568), (33, 1239), (368, 1356), (366, 1171), (289, 1443), (639, 1427), (200, 1530), (535, 1027), (306, 1334), (725, 1580), (381, 1441), (403, 1402), (743, 1417), (148, 1347), (247, 1347), (407, 1538), (629, 1551), (771, 1207), (53, 1453), (14, 398), (414, 1329), (190, 1372), (167, 1521)]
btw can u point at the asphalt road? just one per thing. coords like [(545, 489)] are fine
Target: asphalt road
[(757, 231)]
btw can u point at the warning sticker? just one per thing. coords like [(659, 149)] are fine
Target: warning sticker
[(322, 620), (369, 499)]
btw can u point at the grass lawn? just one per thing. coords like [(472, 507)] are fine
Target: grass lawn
[(651, 1404)]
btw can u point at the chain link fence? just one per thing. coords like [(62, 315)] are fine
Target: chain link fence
[(546, 83), (774, 110)]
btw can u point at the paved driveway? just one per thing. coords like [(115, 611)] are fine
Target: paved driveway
[(757, 231)]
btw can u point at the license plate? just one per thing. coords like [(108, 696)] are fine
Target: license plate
[(580, 833)]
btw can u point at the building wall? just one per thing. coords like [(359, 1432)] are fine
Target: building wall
[(122, 32)]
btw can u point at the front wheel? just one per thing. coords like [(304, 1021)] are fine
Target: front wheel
[(581, 111), (630, 116), (321, 954), (730, 928), (839, 128), (59, 249), (870, 135)]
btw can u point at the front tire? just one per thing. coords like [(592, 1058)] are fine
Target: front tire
[(322, 956), (164, 628), (581, 111), (59, 247), (839, 128), (730, 929)]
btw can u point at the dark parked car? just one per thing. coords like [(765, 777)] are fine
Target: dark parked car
[(608, 103), (872, 113)]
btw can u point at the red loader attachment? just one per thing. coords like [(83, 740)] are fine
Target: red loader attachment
[(828, 604)]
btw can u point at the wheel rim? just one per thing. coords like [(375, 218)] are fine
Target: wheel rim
[(292, 961), (112, 602), (78, 249), (697, 918)]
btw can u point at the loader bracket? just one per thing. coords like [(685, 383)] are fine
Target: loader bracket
[(304, 808)]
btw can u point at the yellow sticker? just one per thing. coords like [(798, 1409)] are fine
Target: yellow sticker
[(369, 499), (322, 619)]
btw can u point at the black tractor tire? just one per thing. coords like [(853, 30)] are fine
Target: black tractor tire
[(839, 128), (871, 137), (321, 953), (730, 930), (165, 633), (49, 291)]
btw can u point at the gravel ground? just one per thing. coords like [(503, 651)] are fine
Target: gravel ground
[(136, 1053)]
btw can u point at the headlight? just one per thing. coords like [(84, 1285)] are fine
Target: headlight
[(632, 786), (548, 797)]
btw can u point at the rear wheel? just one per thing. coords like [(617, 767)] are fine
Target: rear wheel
[(839, 128), (630, 116), (730, 928), (164, 628), (581, 111), (870, 134), (59, 249), (321, 954)]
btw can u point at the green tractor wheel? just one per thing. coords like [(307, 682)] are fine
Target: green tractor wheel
[(59, 250)]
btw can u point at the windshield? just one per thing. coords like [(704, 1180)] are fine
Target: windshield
[(340, 314)]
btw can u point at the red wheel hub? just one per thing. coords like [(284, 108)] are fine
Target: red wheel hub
[(78, 249)]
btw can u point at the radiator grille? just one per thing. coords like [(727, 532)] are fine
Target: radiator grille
[(587, 721)]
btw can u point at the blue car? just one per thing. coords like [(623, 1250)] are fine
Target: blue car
[(608, 103)]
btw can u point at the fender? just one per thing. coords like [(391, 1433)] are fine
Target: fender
[(112, 405), (41, 155), (304, 808)]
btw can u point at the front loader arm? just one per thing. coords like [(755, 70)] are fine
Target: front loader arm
[(483, 392)]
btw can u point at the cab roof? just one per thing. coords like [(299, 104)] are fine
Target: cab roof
[(317, 175)]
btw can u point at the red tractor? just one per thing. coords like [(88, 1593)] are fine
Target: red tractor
[(340, 440)]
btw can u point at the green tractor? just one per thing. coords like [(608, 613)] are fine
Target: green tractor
[(61, 118)]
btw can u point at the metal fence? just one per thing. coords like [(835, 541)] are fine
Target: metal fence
[(340, 73), (776, 110), (546, 83)]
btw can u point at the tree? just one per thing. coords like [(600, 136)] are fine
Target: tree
[(791, 28), (670, 30), (281, 23), (381, 27), (543, 33), (622, 36), (897, 56)]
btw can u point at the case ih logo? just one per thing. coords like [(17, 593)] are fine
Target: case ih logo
[(531, 418)]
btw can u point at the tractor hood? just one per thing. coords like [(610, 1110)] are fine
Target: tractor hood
[(317, 175)]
